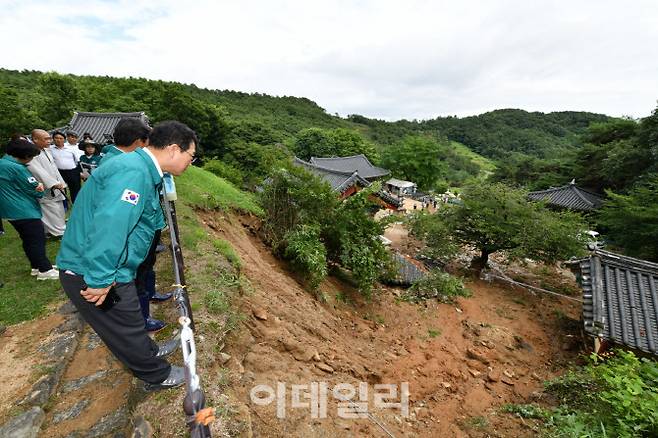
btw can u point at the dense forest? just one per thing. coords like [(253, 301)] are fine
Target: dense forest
[(243, 135), (249, 131)]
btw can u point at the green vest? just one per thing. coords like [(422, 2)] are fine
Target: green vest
[(113, 221), (18, 197)]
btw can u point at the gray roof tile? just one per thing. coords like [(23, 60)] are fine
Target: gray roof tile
[(339, 181), (621, 299), (356, 163), (570, 196), (99, 124)]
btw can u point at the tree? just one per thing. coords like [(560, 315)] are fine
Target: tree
[(314, 142), (631, 221), (306, 223), (347, 143), (60, 94), (416, 158), (14, 118), (494, 217), (616, 153)]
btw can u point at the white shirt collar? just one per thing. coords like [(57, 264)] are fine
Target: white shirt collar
[(157, 165)]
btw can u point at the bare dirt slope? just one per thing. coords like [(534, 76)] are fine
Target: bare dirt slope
[(462, 362)]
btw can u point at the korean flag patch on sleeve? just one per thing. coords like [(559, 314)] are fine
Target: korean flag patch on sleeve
[(32, 180), (130, 197)]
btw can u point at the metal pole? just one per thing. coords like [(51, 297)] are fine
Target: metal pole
[(180, 294)]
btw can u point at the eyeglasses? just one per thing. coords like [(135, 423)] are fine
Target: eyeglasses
[(194, 158)]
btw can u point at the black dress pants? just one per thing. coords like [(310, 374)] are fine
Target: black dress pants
[(144, 272), (34, 242), (72, 179), (119, 323)]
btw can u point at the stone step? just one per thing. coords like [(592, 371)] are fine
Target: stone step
[(93, 397)]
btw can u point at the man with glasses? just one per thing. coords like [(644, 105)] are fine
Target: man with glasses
[(131, 134), (109, 234)]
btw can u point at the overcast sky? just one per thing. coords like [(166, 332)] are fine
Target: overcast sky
[(384, 59)]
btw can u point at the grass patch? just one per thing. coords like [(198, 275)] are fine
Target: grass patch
[(23, 297), (200, 188), (525, 411), (433, 333), (436, 285), (225, 249), (478, 422)]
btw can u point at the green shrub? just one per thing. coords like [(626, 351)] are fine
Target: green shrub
[(525, 411), (437, 284), (612, 396), (299, 205), (224, 170), (307, 253)]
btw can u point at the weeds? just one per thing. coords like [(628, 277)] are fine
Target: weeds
[(478, 422), (437, 284), (525, 411), (226, 250)]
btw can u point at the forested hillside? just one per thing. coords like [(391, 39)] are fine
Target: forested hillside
[(248, 130)]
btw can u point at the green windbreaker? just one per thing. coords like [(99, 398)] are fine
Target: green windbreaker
[(113, 220), (18, 197)]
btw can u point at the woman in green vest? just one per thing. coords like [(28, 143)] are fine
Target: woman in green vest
[(19, 191), (92, 157)]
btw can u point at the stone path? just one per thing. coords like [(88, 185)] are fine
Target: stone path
[(84, 391)]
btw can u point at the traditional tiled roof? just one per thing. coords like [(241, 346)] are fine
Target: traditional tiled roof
[(356, 163), (408, 271), (570, 196), (339, 181), (621, 299), (390, 199), (99, 124)]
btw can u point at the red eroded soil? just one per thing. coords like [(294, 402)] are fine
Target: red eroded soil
[(462, 362)]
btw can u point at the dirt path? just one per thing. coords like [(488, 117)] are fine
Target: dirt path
[(462, 362)]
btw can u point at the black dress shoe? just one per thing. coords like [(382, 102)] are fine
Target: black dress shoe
[(158, 297), (168, 347), (154, 325), (176, 378)]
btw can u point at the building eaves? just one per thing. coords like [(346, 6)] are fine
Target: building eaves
[(569, 196), (355, 163), (620, 298), (339, 181), (101, 125)]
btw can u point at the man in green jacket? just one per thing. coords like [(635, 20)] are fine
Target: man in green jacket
[(135, 129), (108, 236), (19, 194), (129, 135)]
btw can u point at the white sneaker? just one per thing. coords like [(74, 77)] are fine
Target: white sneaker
[(53, 274), (35, 272)]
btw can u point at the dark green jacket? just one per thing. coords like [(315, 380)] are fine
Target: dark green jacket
[(113, 221), (109, 152), (18, 197), (90, 163)]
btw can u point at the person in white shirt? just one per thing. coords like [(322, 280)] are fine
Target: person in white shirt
[(44, 170), (68, 164), (72, 143)]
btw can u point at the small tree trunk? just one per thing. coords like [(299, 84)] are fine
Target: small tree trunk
[(479, 263)]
